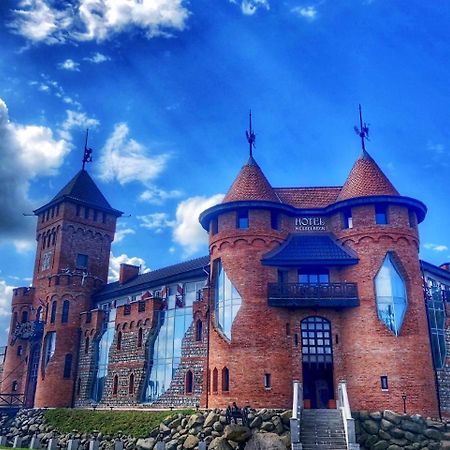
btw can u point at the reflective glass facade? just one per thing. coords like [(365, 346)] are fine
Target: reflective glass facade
[(436, 320), (227, 300), (390, 292), (103, 347), (165, 346)]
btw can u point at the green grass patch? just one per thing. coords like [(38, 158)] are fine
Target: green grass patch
[(132, 423)]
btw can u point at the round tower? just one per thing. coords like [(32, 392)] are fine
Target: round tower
[(385, 341), (249, 349)]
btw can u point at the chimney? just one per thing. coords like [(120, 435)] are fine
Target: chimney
[(445, 266), (127, 272)]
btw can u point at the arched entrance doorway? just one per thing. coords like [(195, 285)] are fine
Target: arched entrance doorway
[(33, 368), (317, 362)]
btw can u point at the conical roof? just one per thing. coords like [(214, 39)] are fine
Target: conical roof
[(366, 179), (81, 189), (251, 184)]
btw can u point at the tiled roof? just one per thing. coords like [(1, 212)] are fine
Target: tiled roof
[(308, 197), (82, 188), (366, 179), (250, 184), (310, 249), (154, 278)]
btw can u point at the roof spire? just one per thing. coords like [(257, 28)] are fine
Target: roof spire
[(362, 131), (87, 157), (251, 137)]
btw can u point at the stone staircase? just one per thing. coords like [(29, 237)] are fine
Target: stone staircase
[(322, 429)]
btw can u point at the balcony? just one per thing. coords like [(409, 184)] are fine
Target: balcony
[(324, 295)]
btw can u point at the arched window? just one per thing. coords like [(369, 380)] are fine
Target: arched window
[(49, 346), (225, 379), (189, 382), (39, 314), (390, 289), (14, 386), (24, 316), (140, 337), (198, 330), (53, 312), (19, 350), (86, 346), (68, 365), (215, 380), (131, 384), (119, 340), (115, 384), (65, 311)]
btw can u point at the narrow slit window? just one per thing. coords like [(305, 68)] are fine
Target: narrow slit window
[(242, 219), (381, 215)]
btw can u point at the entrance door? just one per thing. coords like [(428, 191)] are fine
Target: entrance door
[(32, 375), (317, 362)]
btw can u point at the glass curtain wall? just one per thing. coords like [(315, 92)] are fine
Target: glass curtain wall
[(168, 342), (391, 295), (103, 348), (227, 300)]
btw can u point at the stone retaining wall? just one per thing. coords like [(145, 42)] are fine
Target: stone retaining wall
[(391, 431)]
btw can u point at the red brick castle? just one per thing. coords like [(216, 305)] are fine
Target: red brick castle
[(316, 284)]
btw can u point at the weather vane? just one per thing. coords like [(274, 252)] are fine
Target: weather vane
[(363, 130), (251, 137), (87, 157)]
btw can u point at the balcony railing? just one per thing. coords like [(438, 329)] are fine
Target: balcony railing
[(302, 295)]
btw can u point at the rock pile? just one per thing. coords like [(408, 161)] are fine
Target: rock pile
[(266, 429), (391, 431)]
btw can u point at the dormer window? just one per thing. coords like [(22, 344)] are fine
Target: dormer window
[(242, 219), (381, 215)]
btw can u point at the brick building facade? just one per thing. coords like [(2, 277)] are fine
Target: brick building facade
[(316, 284)]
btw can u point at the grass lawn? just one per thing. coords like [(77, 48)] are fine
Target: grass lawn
[(133, 423)]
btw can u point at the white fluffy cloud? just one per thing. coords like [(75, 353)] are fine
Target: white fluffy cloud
[(187, 231), (307, 12), (87, 20), (76, 119), (97, 58), (69, 64), (125, 160), (249, 7), (116, 261), (121, 233), (156, 222), (157, 196), (26, 151), (435, 247)]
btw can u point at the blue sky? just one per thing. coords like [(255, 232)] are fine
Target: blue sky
[(165, 87)]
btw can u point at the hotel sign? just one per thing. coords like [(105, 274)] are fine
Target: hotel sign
[(310, 223)]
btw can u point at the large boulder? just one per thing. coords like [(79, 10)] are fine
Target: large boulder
[(265, 441), (220, 443), (211, 418), (393, 417), (190, 442), (237, 433), (145, 444), (195, 420)]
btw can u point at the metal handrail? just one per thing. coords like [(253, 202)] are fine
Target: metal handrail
[(313, 291), (8, 400), (297, 407), (349, 421)]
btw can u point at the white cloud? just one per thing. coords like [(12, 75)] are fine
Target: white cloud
[(187, 231), (76, 119), (97, 58), (435, 247), (157, 196), (307, 12), (125, 160), (70, 64), (52, 87), (26, 152), (86, 20), (116, 261), (121, 233), (156, 222), (6, 292), (249, 7)]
